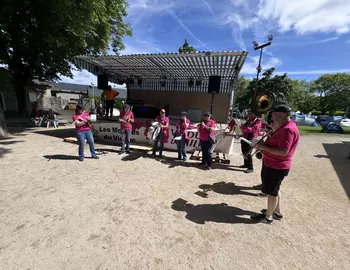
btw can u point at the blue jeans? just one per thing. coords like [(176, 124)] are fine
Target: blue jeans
[(82, 135), (206, 153), (161, 145), (126, 140), (181, 148)]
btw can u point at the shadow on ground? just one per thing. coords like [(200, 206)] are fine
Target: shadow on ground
[(58, 133), (226, 189), (4, 151), (339, 154), (9, 142), (220, 213), (61, 157), (173, 162)]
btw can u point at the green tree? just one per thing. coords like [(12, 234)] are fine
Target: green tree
[(334, 91), (279, 85), (186, 48), (39, 39), (302, 98)]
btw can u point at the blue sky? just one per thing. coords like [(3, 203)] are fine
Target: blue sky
[(311, 37)]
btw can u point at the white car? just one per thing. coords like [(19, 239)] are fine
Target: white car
[(345, 122)]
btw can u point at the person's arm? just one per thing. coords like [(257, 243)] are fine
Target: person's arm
[(131, 119), (211, 126), (186, 122), (166, 123)]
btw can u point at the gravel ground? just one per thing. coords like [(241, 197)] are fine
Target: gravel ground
[(134, 212)]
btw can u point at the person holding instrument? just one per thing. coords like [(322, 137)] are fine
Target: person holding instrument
[(206, 133), (82, 122), (163, 134), (278, 151), (126, 119), (181, 130), (250, 130)]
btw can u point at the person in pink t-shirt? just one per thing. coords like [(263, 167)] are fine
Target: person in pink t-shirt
[(162, 136), (181, 130), (127, 119), (206, 131), (278, 151), (83, 126), (250, 130)]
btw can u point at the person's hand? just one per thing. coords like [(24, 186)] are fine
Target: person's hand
[(261, 146)]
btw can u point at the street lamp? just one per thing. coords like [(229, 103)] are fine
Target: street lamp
[(260, 47)]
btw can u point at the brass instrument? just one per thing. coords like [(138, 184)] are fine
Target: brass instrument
[(263, 103), (257, 154)]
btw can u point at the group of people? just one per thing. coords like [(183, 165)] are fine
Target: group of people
[(206, 133), (278, 149)]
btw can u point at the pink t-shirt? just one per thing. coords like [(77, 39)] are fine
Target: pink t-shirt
[(204, 133), (181, 127), (163, 121), (83, 116), (286, 137), (252, 131), (128, 115)]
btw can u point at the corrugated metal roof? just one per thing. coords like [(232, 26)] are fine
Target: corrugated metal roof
[(170, 67)]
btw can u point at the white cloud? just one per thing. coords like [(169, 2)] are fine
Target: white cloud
[(81, 77), (315, 72), (309, 16), (250, 66)]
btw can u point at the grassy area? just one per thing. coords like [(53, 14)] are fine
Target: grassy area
[(309, 130)]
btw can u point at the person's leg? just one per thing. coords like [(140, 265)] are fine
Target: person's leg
[(155, 144), (81, 143), (90, 140), (183, 148), (271, 205), (161, 147), (278, 206), (111, 108), (250, 162), (178, 145), (204, 157), (128, 138), (123, 141), (243, 149), (208, 153), (107, 107)]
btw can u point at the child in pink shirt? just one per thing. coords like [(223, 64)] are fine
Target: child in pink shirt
[(206, 131), (83, 127), (127, 118)]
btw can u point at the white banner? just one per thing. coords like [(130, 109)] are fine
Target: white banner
[(111, 133)]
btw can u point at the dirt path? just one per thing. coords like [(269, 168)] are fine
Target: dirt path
[(118, 213)]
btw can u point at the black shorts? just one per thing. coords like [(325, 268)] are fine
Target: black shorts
[(272, 179)]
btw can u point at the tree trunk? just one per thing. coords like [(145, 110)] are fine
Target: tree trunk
[(22, 95), (3, 128)]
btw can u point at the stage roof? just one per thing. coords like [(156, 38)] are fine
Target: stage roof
[(199, 65)]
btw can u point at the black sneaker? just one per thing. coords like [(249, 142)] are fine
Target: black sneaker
[(95, 157), (81, 159), (243, 166), (274, 215), (121, 152), (261, 218), (127, 151)]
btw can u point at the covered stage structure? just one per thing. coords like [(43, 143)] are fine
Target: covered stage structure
[(178, 82)]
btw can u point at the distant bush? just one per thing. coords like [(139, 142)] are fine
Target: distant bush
[(317, 113)]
